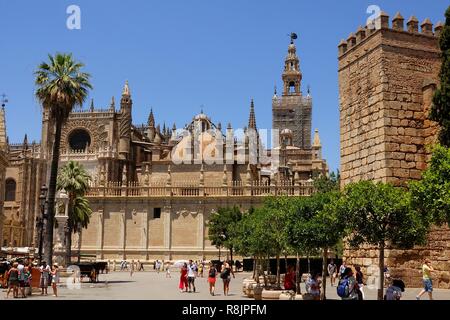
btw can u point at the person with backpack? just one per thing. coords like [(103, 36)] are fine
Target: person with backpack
[(394, 292), (13, 281), (225, 275), (332, 269), (212, 274), (348, 287)]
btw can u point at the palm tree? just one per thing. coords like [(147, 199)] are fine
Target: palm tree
[(60, 87), (74, 179)]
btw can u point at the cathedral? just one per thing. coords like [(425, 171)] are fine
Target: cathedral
[(154, 188)]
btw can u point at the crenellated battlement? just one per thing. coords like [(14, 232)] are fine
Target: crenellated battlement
[(382, 23)]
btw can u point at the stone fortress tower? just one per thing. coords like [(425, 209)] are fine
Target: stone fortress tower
[(387, 78)]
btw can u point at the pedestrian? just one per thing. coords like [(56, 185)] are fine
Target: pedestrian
[(168, 270), (212, 274), (191, 276), (55, 279), (314, 286), (289, 279), (28, 278), (360, 281), (200, 270), (426, 279), (394, 292), (13, 281), (225, 275), (342, 270), (332, 270), (238, 266), (21, 270), (43, 282), (141, 266), (183, 285), (132, 268), (348, 287)]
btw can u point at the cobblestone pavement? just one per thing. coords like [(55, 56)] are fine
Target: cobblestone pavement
[(155, 286)]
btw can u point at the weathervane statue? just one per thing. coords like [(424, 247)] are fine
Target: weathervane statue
[(293, 37)]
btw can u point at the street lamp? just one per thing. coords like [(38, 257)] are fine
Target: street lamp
[(41, 218)]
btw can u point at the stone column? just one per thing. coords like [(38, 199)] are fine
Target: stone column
[(144, 234), (167, 231), (100, 234), (201, 227), (123, 232), (59, 235)]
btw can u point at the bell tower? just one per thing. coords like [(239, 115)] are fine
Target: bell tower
[(292, 76), (292, 111)]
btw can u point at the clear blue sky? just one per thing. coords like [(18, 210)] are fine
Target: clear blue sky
[(179, 55)]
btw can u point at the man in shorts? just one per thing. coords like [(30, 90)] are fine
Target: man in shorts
[(191, 276), (426, 278)]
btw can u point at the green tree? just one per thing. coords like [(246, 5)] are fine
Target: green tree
[(323, 183), (221, 225), (316, 225), (380, 215), (60, 87), (74, 179), (431, 195), (275, 220), (440, 110)]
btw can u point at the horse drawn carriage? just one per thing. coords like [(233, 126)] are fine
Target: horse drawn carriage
[(91, 270)]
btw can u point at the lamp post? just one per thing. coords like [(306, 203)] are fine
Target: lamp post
[(40, 220)]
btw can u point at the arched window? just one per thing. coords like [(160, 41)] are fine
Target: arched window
[(10, 190), (292, 88), (79, 140)]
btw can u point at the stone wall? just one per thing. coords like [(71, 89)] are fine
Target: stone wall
[(387, 78), (407, 264), (126, 228), (386, 81)]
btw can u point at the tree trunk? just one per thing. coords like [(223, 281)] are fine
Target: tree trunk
[(231, 253), (324, 274), (264, 274), (48, 254), (278, 272), (381, 267), (79, 245), (255, 265), (309, 265), (297, 275), (285, 263), (69, 242), (268, 265), (219, 254)]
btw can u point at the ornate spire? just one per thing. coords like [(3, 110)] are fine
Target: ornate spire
[(151, 119), (25, 142), (252, 118), (112, 106), (126, 89), (292, 76), (92, 105), (316, 142)]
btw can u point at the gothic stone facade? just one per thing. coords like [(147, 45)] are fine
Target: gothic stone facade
[(147, 205), (387, 78), (3, 165)]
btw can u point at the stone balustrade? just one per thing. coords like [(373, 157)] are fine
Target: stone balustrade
[(235, 189)]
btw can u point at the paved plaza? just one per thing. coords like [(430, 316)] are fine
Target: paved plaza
[(151, 285)]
